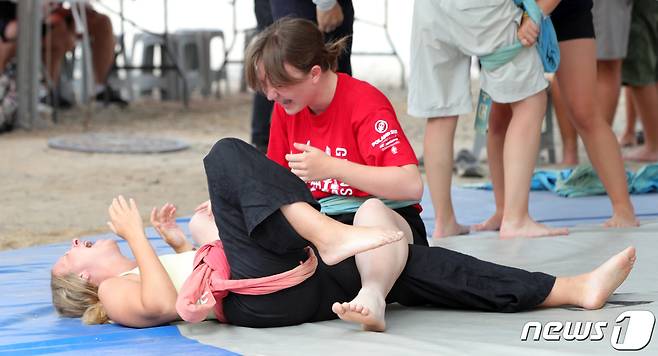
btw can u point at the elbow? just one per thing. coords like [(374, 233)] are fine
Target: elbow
[(416, 189), (412, 183), (413, 189)]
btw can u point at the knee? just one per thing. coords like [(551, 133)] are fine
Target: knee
[(11, 31), (225, 146), (223, 151), (202, 228), (100, 24), (584, 120), (369, 208), (62, 39)]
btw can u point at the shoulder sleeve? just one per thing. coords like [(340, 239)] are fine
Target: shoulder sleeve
[(324, 5), (278, 146), (381, 140)]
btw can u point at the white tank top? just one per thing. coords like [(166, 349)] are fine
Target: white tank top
[(177, 265)]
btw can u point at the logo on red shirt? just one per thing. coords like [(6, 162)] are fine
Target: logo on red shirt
[(381, 126)]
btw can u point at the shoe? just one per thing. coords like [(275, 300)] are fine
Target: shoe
[(640, 137), (56, 100), (111, 96)]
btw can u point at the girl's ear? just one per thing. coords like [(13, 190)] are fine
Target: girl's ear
[(84, 275), (316, 71)]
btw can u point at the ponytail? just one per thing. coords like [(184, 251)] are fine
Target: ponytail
[(73, 297)]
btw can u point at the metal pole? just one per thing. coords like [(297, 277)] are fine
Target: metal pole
[(29, 62)]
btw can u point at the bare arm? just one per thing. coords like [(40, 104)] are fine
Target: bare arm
[(396, 183), (547, 6), (329, 15), (121, 298), (151, 300)]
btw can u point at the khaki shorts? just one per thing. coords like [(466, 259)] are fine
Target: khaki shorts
[(445, 34)]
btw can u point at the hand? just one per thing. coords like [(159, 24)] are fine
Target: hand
[(125, 219), (205, 208), (164, 222), (528, 31), (312, 164), (330, 20)]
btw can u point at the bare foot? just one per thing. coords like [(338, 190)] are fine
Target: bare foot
[(569, 157), (367, 309), (164, 222), (627, 139), (491, 224), (642, 154), (603, 281), (619, 220), (347, 240), (529, 228), (450, 229)]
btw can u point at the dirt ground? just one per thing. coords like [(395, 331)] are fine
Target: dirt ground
[(51, 195)]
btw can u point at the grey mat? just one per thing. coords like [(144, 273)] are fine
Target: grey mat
[(473, 206), (423, 331), (115, 143)]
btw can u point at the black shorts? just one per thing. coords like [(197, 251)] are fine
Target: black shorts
[(573, 20)]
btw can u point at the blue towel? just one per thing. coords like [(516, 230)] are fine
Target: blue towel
[(645, 180), (583, 181), (547, 45)]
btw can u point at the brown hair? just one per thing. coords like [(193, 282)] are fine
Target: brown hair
[(297, 42), (73, 297)]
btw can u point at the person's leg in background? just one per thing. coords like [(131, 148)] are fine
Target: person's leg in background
[(57, 41), (567, 131), (439, 91), (612, 22), (102, 49), (608, 87), (640, 74), (8, 35), (261, 108), (628, 138), (499, 120), (438, 148), (577, 81)]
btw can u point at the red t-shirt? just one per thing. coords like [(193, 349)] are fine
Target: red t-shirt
[(359, 125)]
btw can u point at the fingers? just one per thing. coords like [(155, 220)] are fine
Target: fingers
[(114, 230), (528, 33), (303, 147), (154, 217), (295, 157)]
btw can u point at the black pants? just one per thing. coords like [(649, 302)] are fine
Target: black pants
[(266, 12), (247, 189)]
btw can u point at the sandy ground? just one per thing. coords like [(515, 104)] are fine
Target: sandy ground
[(51, 195)]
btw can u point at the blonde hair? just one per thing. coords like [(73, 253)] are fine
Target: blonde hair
[(297, 42), (73, 297)]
